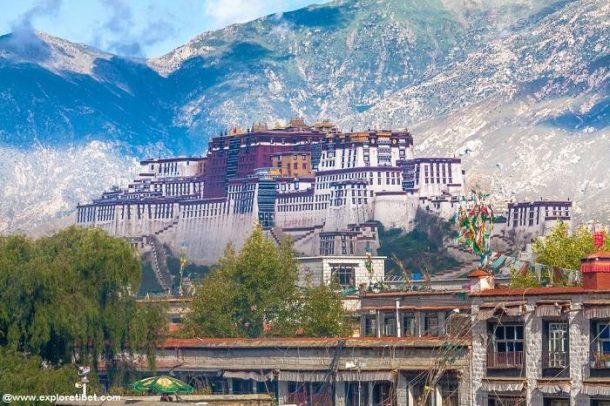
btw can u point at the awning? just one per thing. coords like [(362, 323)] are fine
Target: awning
[(485, 314), (502, 386), (596, 389), (257, 376), (303, 376), (548, 310), (597, 311), (488, 310), (366, 376), (553, 388)]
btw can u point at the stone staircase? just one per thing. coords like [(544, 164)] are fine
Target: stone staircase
[(273, 231), (167, 227), (159, 263), (304, 235)]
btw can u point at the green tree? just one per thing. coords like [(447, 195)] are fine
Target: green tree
[(254, 293), (559, 249), (520, 281), (69, 296), (28, 375), (323, 314)]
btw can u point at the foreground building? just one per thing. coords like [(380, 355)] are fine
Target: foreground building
[(544, 346), (326, 371), (322, 187)]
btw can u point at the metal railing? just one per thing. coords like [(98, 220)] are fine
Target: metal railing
[(505, 359)]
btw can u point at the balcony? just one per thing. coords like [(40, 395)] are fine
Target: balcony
[(505, 360), (555, 360)]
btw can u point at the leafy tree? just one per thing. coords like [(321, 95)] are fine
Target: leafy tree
[(69, 296), (559, 249), (28, 375), (323, 314), (253, 293), (520, 281)]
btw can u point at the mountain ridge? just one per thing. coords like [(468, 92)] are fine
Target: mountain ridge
[(467, 77)]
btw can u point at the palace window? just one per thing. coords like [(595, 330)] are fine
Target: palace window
[(327, 246)]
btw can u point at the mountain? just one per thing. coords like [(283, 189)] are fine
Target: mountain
[(519, 89)]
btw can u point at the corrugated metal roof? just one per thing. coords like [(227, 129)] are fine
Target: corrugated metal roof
[(425, 342)]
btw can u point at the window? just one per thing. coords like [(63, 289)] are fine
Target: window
[(327, 246), (508, 338), (345, 275), (389, 324), (370, 326), (557, 345), (556, 402), (419, 394), (506, 401), (505, 346), (344, 244), (408, 325), (602, 344), (431, 325)]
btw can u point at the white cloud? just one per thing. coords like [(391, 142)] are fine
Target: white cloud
[(226, 12)]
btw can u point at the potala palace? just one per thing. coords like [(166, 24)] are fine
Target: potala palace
[(325, 188)]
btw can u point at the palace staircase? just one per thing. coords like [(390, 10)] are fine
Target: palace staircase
[(159, 263)]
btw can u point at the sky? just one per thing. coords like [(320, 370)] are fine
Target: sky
[(136, 28)]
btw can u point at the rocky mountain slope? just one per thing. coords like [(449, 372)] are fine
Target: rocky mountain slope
[(518, 88)]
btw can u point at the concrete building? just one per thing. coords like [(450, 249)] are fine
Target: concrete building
[(413, 314), (350, 272)]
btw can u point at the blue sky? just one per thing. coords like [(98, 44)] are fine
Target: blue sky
[(138, 28)]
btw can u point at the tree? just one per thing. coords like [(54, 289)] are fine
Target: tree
[(29, 375), (323, 314), (254, 293), (559, 249), (69, 297)]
